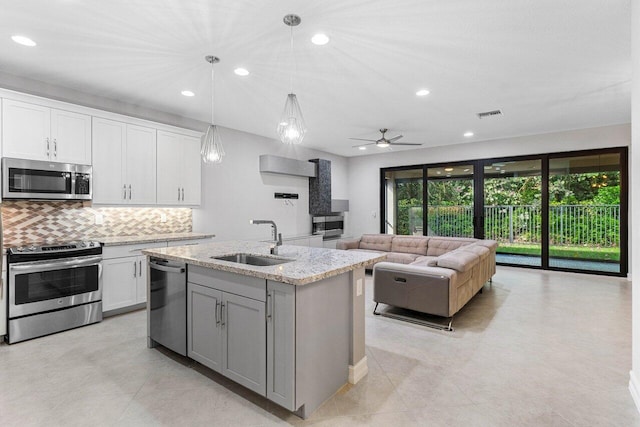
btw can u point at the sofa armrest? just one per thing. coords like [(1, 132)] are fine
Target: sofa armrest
[(345, 244), (418, 270)]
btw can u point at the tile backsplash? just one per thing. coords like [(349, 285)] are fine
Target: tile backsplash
[(52, 221)]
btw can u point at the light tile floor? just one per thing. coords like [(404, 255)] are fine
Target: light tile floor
[(535, 349)]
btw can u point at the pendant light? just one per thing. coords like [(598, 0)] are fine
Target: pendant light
[(211, 150), (291, 128)]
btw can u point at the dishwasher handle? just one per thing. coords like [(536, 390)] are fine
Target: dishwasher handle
[(165, 268)]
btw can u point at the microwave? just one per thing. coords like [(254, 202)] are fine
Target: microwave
[(33, 179)]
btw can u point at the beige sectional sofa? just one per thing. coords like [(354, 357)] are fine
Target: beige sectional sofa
[(429, 274)]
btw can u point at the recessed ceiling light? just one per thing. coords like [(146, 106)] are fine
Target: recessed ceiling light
[(187, 93), (25, 41), (320, 39), (466, 170), (448, 169), (423, 92), (362, 148), (438, 172), (468, 134), (241, 71)]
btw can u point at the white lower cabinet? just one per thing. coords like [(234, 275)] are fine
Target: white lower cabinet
[(124, 275), (226, 331), (124, 282)]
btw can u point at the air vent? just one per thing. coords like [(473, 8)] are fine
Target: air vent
[(489, 114)]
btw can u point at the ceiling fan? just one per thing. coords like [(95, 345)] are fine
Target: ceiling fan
[(382, 142)]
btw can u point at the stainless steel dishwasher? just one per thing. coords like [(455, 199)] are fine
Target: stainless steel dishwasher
[(168, 303)]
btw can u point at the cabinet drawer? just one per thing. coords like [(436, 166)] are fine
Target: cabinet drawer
[(246, 286), (109, 252)]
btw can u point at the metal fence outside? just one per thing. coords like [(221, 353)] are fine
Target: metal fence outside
[(582, 225)]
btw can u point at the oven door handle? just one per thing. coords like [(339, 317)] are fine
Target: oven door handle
[(39, 266)]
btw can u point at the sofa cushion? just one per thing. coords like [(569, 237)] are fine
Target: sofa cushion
[(376, 242), (458, 260), (410, 244), (401, 258), (481, 251), (442, 245), (345, 244), (426, 261)]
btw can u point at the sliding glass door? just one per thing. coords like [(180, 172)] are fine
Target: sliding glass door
[(512, 210), (584, 212), (450, 201), (403, 195), (559, 211)]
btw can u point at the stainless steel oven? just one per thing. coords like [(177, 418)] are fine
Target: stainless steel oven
[(53, 288), (32, 179)]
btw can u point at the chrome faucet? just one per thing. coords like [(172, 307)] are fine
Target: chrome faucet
[(277, 237)]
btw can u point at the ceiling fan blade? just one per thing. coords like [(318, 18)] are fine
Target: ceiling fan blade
[(395, 138), (362, 145), (362, 139), (403, 143)]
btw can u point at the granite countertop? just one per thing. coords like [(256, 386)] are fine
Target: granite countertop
[(149, 238), (308, 265)]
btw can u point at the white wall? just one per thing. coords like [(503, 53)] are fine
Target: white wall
[(234, 191), (364, 171), (634, 382)]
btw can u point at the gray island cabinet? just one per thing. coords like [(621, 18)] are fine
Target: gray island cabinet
[(293, 332)]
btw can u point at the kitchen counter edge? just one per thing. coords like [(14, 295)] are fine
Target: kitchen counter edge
[(153, 238)]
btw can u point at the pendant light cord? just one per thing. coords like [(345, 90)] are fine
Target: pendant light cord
[(212, 89), (293, 61)]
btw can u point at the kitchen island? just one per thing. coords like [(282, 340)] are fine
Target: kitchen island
[(292, 332)]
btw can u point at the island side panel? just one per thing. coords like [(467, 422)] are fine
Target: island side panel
[(358, 367), (323, 323)]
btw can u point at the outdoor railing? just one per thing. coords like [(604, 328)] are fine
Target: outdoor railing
[(583, 225)]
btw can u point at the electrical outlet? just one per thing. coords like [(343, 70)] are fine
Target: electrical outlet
[(99, 219), (163, 217), (359, 287)]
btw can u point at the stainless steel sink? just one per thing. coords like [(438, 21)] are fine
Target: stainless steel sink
[(252, 259)]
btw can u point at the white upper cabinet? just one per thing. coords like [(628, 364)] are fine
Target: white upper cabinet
[(35, 132), (124, 163), (178, 169), (141, 165)]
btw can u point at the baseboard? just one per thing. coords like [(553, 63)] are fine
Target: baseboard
[(634, 388), (359, 371)]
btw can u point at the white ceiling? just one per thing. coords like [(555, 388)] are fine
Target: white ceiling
[(549, 65)]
